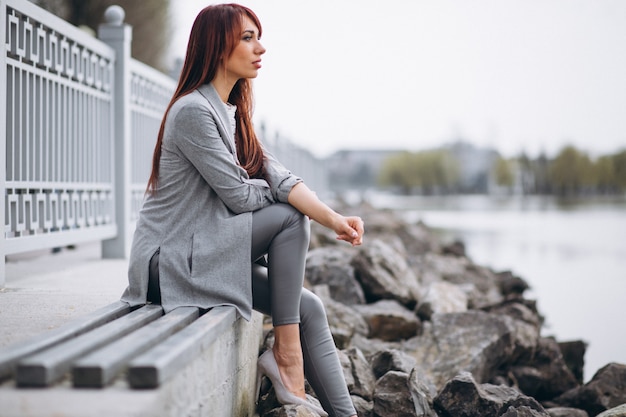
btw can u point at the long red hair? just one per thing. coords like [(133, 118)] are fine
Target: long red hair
[(214, 35)]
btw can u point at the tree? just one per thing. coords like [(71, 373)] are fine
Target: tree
[(150, 20), (619, 167), (503, 172), (571, 171), (427, 171)]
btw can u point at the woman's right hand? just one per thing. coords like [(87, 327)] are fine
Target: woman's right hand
[(350, 229)]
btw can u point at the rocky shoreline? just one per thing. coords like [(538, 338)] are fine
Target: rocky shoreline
[(423, 331)]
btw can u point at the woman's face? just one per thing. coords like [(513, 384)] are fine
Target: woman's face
[(245, 61)]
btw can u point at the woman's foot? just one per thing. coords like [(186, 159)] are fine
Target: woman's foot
[(288, 355), (291, 369), (267, 366)]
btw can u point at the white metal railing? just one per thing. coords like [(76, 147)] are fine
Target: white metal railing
[(56, 120), (79, 119)]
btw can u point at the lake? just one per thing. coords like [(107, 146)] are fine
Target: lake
[(572, 254)]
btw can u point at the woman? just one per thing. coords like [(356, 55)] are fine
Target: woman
[(224, 223)]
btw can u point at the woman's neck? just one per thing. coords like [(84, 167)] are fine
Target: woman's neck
[(223, 85)]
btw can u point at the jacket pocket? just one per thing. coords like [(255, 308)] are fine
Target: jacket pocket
[(190, 256)]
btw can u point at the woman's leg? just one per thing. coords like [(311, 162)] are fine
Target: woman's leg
[(281, 232), (321, 363)]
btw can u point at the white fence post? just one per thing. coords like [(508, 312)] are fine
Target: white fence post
[(3, 144), (118, 35)]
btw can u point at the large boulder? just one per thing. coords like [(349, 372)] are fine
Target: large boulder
[(442, 297), (462, 396), (384, 274), (545, 375), (566, 412), (606, 390), (574, 356), (619, 411), (358, 373), (474, 341), (398, 394), (389, 320)]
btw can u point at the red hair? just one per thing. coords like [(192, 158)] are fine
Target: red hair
[(214, 35)]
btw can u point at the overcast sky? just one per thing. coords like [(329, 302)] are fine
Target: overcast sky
[(515, 75)]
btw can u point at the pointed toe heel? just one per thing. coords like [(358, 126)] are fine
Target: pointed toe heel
[(267, 366)]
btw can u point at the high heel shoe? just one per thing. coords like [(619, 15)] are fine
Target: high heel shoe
[(267, 366)]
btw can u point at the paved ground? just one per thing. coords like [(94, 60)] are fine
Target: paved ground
[(44, 290)]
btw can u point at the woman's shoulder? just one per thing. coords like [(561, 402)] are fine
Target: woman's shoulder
[(192, 105), (190, 101)]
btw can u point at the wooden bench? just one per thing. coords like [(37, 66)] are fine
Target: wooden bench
[(115, 348)]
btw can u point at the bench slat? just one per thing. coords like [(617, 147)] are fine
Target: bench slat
[(100, 367), (46, 367), (160, 363), (11, 355)]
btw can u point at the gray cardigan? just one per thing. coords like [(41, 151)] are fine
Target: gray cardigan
[(201, 215)]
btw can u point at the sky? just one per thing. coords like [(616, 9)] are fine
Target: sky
[(515, 75)]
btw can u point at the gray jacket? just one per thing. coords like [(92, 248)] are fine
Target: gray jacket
[(201, 215)]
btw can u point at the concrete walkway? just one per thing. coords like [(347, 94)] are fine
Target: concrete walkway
[(45, 290)]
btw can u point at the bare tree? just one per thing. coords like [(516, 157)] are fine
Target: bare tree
[(150, 20)]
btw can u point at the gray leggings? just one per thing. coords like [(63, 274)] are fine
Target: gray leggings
[(282, 233)]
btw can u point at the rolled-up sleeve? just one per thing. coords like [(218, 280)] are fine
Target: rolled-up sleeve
[(280, 179)]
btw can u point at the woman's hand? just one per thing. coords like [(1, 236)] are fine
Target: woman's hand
[(350, 229)]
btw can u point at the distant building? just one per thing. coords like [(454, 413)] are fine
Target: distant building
[(475, 166)]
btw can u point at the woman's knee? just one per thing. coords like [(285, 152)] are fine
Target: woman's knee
[(296, 219), (312, 308)]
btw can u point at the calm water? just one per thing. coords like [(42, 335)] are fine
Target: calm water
[(572, 254)]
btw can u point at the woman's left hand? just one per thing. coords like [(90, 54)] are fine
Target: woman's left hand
[(350, 229)]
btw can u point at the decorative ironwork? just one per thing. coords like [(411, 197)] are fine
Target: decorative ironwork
[(59, 145)]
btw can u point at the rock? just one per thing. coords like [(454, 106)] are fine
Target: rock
[(395, 395), (574, 356), (481, 285), (384, 274), (606, 390), (422, 393), (388, 320), (461, 396), (510, 285), (473, 341), (370, 347), (442, 297), (331, 266), (361, 381), (363, 407), (524, 411), (525, 325), (291, 411), (546, 374), (392, 360), (619, 411), (566, 412), (415, 238), (456, 248)]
